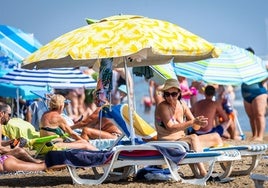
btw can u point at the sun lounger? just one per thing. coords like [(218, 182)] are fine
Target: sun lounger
[(119, 114), (253, 151), (140, 154), (259, 179)]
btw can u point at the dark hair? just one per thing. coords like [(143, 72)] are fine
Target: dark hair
[(210, 90), (3, 107), (250, 50), (179, 97)]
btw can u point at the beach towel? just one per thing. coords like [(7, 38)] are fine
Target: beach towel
[(77, 158), (104, 84), (86, 158), (17, 127)]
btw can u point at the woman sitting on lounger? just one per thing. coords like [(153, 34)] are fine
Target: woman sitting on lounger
[(52, 120), (173, 117)]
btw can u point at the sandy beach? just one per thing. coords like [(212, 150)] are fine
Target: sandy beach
[(61, 178)]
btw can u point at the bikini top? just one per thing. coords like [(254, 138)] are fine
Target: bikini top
[(57, 130), (161, 123)]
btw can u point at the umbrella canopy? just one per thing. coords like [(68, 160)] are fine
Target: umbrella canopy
[(129, 39), (59, 78), (137, 39), (234, 66), (14, 91), (16, 44)]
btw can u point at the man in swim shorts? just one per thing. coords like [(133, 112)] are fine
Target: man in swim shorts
[(211, 109)]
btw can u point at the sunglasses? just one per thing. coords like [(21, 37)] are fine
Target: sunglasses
[(173, 94), (9, 114)]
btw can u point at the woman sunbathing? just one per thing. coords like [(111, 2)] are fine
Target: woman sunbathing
[(53, 120)]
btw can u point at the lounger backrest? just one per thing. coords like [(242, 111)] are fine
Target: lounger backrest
[(120, 116)]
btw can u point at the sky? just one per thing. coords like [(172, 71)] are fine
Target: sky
[(242, 23)]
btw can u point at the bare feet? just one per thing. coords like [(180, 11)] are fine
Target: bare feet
[(38, 161), (256, 139)]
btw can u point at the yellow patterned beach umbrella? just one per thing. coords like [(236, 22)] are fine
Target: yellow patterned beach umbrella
[(138, 40)]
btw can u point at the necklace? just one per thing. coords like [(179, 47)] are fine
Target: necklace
[(172, 110)]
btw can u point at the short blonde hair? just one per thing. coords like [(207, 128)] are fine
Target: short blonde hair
[(56, 101)]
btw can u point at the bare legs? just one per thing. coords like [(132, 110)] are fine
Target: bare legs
[(12, 164), (91, 133), (256, 114), (78, 144), (23, 155), (199, 142)]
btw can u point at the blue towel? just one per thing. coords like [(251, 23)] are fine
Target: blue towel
[(86, 158), (172, 154), (77, 158)]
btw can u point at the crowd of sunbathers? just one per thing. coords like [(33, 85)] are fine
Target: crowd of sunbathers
[(175, 119)]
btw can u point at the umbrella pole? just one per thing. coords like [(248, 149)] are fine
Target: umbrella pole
[(18, 102), (130, 107), (243, 137)]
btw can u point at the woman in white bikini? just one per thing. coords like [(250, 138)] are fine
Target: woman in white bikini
[(173, 117)]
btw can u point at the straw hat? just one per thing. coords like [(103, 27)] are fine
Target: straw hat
[(170, 83)]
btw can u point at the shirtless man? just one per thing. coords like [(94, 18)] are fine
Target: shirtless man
[(53, 119), (5, 149), (210, 109), (92, 128)]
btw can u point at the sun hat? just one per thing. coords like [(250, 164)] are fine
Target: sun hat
[(169, 83), (123, 88)]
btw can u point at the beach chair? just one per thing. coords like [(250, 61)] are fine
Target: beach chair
[(259, 179), (142, 130), (252, 151), (18, 128), (125, 154)]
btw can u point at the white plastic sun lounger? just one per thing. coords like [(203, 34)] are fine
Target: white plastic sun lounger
[(253, 151), (191, 158)]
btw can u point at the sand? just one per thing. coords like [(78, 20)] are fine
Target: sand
[(61, 178)]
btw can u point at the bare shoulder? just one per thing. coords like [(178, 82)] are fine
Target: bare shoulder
[(160, 107)]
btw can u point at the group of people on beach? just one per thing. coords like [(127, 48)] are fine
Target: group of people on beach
[(180, 114)]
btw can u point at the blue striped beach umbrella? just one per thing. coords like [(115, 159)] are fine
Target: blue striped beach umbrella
[(162, 73), (234, 66), (59, 78), (16, 44)]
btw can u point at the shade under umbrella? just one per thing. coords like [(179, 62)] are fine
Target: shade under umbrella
[(234, 66)]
